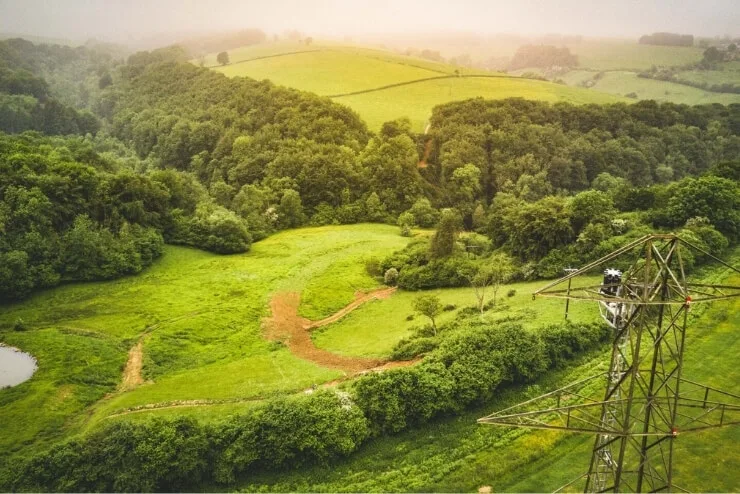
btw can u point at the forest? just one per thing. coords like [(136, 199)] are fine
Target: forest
[(188, 156), (104, 161)]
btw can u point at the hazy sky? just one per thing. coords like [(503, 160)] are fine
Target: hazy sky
[(128, 19)]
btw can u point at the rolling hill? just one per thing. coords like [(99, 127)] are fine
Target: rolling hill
[(383, 86)]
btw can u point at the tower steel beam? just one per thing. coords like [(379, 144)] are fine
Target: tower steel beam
[(646, 400)]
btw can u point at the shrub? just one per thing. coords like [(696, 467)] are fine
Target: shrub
[(19, 325), (372, 267), (410, 317), (390, 277), (408, 349), (511, 293), (449, 307)]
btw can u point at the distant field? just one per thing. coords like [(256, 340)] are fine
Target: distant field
[(730, 73), (609, 54), (328, 69), (327, 72), (417, 100), (622, 83)]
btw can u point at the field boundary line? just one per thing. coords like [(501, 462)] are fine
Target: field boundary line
[(263, 57), (435, 78)]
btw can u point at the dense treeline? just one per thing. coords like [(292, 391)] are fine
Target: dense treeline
[(667, 39), (471, 361), (73, 76), (29, 102), (543, 56), (266, 151), (69, 213), (532, 150)]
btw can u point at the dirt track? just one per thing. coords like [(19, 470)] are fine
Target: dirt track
[(286, 325), (132, 371)]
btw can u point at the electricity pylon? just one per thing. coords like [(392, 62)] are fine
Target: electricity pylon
[(647, 402)]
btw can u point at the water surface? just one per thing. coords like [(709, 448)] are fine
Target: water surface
[(15, 366)]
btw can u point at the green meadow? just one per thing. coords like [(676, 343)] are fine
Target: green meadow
[(199, 317), (416, 100), (336, 70), (628, 54), (394, 318), (623, 82)]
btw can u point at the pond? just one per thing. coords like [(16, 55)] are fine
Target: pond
[(15, 366)]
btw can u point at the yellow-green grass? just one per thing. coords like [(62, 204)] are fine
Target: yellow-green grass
[(246, 55), (373, 329), (330, 69), (327, 72), (416, 100), (614, 54), (729, 74), (201, 316), (622, 83)]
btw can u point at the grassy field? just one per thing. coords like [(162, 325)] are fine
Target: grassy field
[(198, 316), (327, 72), (622, 83), (334, 70), (614, 54), (416, 101), (458, 455), (627, 82), (388, 317), (729, 73)]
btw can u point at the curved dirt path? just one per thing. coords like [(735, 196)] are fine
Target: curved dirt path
[(286, 325)]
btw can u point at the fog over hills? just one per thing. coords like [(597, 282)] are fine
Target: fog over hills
[(131, 20)]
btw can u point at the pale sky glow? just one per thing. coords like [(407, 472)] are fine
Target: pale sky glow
[(121, 20)]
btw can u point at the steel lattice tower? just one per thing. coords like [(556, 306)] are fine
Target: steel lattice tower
[(647, 402)]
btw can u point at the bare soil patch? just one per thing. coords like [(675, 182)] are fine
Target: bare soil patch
[(132, 371), (287, 326)]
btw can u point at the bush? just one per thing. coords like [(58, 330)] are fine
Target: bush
[(449, 307), (19, 325), (511, 293), (372, 267), (390, 277), (408, 349), (410, 317)]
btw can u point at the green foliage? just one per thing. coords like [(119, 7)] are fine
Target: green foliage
[(465, 368), (406, 221), (223, 58), (443, 241), (390, 277), (429, 306), (715, 198), (544, 56)]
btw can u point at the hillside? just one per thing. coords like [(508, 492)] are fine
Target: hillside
[(390, 86)]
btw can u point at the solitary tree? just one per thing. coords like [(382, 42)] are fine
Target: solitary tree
[(222, 58), (496, 271), (430, 306)]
